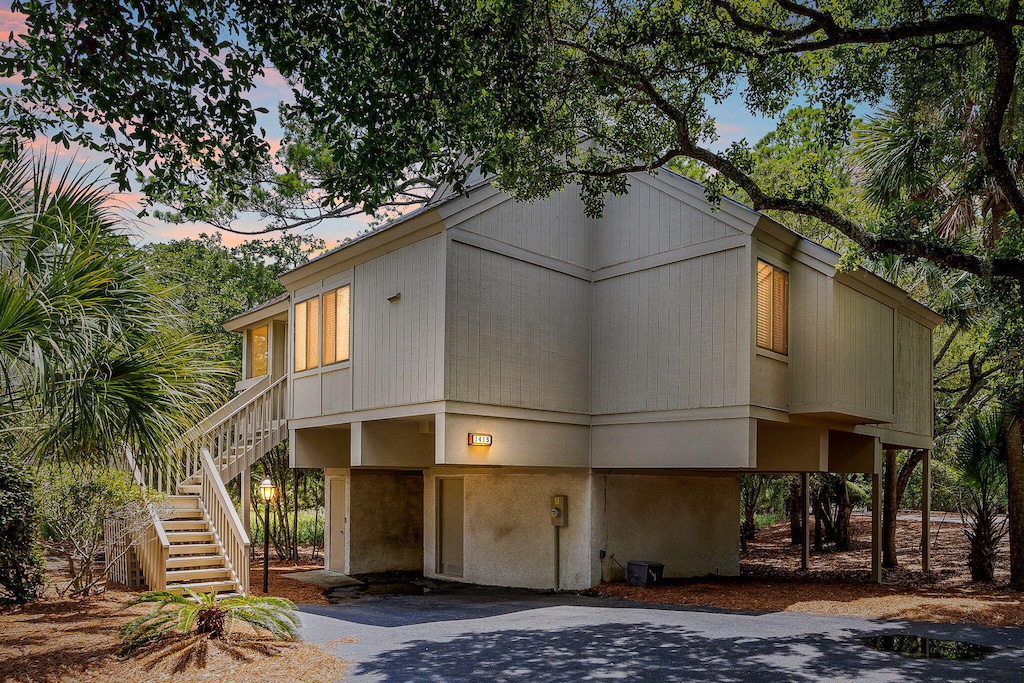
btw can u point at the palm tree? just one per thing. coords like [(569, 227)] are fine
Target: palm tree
[(207, 616), (94, 359), (979, 466)]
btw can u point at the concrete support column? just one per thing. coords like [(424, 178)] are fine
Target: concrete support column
[(805, 518), (876, 527), (245, 486), (926, 511)]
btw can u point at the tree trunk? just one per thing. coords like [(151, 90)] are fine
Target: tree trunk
[(819, 516), (295, 521), (1015, 481), (983, 542), (1015, 496), (796, 525), (844, 508), (890, 507)]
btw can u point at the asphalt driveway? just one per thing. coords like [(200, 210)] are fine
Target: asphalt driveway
[(482, 634)]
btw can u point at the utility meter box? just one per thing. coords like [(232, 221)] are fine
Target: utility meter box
[(560, 510)]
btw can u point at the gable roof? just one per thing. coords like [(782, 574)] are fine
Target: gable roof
[(683, 188), (268, 308)]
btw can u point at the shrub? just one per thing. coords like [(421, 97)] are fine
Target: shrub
[(203, 614), (74, 502), (21, 566)]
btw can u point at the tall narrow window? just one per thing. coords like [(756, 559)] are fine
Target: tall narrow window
[(258, 351), (307, 334), (336, 325), (772, 308)]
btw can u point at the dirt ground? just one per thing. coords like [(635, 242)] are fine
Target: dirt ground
[(66, 640), (837, 583)]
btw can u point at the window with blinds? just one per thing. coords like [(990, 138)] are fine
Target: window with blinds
[(336, 325), (259, 349), (772, 308), (307, 334)]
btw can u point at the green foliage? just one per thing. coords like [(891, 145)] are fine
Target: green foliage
[(212, 283), (311, 527), (95, 359), (21, 565), (979, 466), (300, 496), (74, 502), (203, 613), (155, 85)]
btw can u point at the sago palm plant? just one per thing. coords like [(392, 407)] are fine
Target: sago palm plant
[(204, 614)]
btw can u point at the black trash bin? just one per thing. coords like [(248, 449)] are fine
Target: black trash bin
[(644, 572)]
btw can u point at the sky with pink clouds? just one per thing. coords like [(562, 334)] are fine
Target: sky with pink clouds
[(733, 123)]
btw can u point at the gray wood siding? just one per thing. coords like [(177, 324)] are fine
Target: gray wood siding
[(914, 410), (673, 337), (648, 221), (769, 384), (810, 336), (397, 347), (864, 351), (554, 227), (645, 222), (517, 334)]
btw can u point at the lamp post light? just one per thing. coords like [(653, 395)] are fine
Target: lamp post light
[(267, 491)]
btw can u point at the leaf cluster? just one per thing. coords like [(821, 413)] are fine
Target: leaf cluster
[(93, 359), (277, 617)]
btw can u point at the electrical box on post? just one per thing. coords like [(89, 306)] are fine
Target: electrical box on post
[(560, 510)]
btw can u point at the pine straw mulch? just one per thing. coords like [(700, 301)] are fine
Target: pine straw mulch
[(68, 641), (837, 583), (296, 591)]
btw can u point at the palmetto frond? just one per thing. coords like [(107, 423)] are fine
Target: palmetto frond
[(277, 617), (979, 467), (93, 359), (896, 152)]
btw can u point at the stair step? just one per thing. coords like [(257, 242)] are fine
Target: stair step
[(203, 587), (182, 502), (194, 549), (186, 524), (178, 537), (194, 561), (195, 489), (208, 574), (182, 513)]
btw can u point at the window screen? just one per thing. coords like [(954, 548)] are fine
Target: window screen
[(307, 334), (336, 325), (772, 308), (258, 351)]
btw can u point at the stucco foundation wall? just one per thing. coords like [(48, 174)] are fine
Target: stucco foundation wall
[(385, 521), (509, 538), (689, 523)]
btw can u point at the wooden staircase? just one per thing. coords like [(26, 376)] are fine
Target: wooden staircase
[(195, 538), (195, 559)]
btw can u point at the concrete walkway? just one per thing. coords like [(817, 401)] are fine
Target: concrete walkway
[(480, 634)]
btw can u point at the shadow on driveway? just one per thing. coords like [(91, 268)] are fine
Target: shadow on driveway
[(650, 652)]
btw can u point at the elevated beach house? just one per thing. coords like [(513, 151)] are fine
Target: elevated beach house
[(514, 394)]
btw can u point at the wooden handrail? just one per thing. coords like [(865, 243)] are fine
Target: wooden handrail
[(237, 405), (151, 545), (238, 434), (225, 524), (260, 429)]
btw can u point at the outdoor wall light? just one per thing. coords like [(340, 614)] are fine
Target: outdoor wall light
[(480, 439)]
